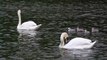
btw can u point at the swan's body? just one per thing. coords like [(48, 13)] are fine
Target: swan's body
[(29, 25), (79, 29), (71, 30), (94, 30), (86, 31), (75, 43)]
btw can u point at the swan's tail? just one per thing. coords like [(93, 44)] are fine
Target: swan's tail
[(38, 26), (92, 44)]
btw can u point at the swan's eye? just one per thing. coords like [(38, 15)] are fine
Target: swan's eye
[(65, 40)]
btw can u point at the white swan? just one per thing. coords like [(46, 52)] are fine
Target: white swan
[(29, 25), (75, 43)]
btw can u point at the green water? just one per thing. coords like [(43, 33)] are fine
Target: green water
[(55, 18)]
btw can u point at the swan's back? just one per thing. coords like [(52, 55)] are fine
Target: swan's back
[(78, 43), (29, 24)]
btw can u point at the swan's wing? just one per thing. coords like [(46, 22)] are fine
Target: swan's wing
[(28, 24), (78, 42)]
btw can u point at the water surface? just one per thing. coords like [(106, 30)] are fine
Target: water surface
[(56, 18)]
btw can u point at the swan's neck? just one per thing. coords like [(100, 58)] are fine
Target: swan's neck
[(19, 23), (62, 42)]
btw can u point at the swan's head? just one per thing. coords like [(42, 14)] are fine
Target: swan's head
[(19, 11), (64, 36), (63, 39), (69, 29)]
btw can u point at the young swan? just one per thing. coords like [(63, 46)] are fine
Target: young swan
[(75, 43)]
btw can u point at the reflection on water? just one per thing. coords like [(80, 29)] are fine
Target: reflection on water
[(28, 32), (85, 54), (56, 18), (28, 46)]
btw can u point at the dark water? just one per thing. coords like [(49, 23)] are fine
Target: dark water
[(56, 18)]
